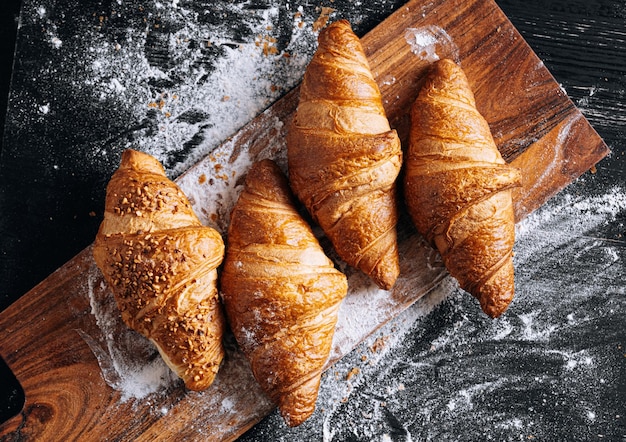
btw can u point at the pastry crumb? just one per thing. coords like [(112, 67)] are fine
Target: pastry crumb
[(323, 18), (379, 344), (353, 372)]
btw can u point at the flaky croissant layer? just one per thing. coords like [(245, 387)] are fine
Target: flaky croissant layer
[(281, 292), (161, 265), (344, 158), (458, 188)]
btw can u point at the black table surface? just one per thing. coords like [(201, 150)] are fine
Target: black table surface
[(553, 368)]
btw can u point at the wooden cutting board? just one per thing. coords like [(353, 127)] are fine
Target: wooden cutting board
[(61, 338)]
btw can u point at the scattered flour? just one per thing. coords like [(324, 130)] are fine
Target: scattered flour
[(534, 329), (571, 215), (184, 84), (130, 364), (56, 42), (431, 43)]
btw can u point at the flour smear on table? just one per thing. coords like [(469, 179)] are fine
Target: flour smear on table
[(179, 83), (205, 105)]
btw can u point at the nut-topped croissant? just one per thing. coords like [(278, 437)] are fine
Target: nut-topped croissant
[(281, 292), (344, 158), (458, 188), (160, 262)]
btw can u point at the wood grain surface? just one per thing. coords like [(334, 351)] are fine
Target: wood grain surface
[(51, 332)]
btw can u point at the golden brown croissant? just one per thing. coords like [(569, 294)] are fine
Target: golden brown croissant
[(281, 292), (458, 188), (160, 263), (344, 159)]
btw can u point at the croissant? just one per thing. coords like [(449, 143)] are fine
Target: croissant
[(343, 157), (458, 188), (160, 263), (280, 291)]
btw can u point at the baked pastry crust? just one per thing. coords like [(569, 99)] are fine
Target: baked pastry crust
[(161, 264), (458, 188), (343, 157), (281, 292)]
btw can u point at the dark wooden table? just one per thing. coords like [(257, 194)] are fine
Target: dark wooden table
[(554, 368)]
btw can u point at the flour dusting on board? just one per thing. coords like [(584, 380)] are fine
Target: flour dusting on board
[(213, 184), (129, 363), (431, 43)]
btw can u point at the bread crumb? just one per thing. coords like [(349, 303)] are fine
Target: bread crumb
[(323, 18), (355, 371), (268, 43), (379, 344)]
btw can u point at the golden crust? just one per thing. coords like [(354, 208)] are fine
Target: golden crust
[(281, 292), (344, 158), (160, 263), (458, 188)]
